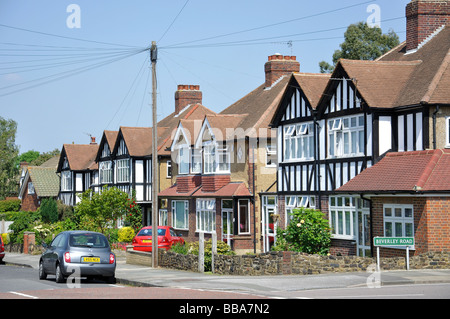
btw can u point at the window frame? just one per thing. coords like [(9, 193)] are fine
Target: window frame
[(105, 171), (185, 213), (395, 220), (298, 142), (346, 136), (66, 181), (205, 215), (123, 171), (247, 228)]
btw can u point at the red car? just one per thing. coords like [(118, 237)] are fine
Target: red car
[(2, 249), (166, 238)]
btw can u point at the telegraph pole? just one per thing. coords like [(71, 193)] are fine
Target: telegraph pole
[(155, 184)]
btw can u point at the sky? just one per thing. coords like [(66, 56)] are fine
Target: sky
[(70, 69)]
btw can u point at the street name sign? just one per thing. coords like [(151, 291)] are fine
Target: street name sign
[(393, 241)]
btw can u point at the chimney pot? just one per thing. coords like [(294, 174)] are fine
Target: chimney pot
[(93, 140), (187, 95), (278, 66)]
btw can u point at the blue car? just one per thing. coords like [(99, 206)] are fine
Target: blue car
[(81, 253)]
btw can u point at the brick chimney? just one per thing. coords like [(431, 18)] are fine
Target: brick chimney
[(187, 95), (279, 65), (93, 142), (423, 17)]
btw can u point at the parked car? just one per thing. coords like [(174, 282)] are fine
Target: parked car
[(82, 252), (2, 249), (167, 237)]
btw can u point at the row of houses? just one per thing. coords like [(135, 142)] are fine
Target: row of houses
[(368, 145)]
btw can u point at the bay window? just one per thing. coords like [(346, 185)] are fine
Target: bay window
[(215, 159), (206, 215)]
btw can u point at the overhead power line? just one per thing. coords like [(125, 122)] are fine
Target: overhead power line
[(175, 19), (271, 25)]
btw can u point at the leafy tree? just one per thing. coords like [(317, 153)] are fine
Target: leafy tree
[(8, 155), (307, 232), (101, 210), (362, 42), (44, 157), (27, 157), (133, 215)]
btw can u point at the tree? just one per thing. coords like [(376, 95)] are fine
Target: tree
[(362, 42), (102, 209), (8, 156)]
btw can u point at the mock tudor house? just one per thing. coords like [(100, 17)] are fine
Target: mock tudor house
[(398, 103), (124, 157), (78, 170), (225, 167)]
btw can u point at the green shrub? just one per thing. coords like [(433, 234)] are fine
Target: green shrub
[(9, 205), (126, 234), (307, 232), (49, 210), (180, 249), (23, 221)]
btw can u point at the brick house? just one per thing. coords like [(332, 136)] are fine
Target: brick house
[(225, 167), (367, 109), (38, 182), (409, 194)]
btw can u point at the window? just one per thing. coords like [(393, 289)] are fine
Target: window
[(206, 215), (169, 169), (105, 150), (163, 215), (244, 217), (292, 202), (105, 170), (66, 181), (183, 160), (123, 171), (346, 136), (398, 220), (30, 188), (196, 166), (180, 214), (299, 141), (343, 217), (209, 159), (223, 160), (271, 155)]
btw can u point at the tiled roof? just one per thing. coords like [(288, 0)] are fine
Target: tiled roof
[(232, 189), (429, 81), (426, 171), (80, 156), (45, 181)]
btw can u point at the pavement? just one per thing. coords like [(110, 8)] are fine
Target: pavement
[(143, 276)]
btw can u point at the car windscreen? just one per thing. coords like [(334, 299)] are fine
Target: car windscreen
[(88, 240), (148, 232)]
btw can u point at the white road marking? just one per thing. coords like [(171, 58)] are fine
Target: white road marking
[(23, 295)]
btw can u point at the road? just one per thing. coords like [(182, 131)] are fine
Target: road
[(23, 283)]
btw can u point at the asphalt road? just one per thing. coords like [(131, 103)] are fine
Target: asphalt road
[(23, 283)]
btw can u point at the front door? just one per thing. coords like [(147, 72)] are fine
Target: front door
[(268, 224), (227, 221)]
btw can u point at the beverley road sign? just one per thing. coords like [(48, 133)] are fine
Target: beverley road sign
[(393, 241)]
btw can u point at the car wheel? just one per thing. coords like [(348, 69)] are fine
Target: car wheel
[(59, 275), (42, 274)]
